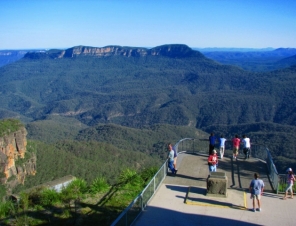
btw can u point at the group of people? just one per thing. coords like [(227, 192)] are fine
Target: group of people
[(236, 142), (256, 186)]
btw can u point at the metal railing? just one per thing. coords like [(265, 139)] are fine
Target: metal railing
[(131, 213)]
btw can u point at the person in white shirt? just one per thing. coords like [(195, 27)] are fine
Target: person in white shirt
[(246, 146), (171, 159), (222, 146)]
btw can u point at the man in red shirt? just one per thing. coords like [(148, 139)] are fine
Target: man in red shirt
[(235, 143)]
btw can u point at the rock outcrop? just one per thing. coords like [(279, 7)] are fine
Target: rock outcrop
[(173, 50), (14, 161)]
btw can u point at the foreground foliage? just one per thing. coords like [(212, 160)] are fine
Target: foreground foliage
[(87, 160), (80, 203)]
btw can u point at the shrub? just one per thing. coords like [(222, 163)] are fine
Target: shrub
[(283, 186), (148, 174), (99, 185), (2, 191), (49, 197), (24, 201), (5, 208), (130, 179), (74, 190), (78, 185)]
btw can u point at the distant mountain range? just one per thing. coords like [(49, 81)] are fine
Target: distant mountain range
[(169, 84), (254, 60), (217, 49), (10, 56)]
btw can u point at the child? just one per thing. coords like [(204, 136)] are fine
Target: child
[(290, 182)]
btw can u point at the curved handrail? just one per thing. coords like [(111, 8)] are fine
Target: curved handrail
[(175, 147)]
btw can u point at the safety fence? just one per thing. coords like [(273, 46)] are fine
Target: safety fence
[(130, 214)]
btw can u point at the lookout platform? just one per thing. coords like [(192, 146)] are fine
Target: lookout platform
[(181, 199)]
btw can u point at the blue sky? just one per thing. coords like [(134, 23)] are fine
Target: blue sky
[(27, 24)]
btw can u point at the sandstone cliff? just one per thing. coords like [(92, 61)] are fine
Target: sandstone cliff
[(15, 161), (172, 50)]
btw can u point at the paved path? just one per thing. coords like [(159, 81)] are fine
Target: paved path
[(168, 206)]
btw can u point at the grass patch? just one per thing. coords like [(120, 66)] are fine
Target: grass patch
[(8, 126)]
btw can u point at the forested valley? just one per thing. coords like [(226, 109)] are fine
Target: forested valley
[(98, 116)]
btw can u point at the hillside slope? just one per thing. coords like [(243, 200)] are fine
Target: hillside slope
[(138, 87)]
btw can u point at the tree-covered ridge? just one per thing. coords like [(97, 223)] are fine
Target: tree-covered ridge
[(147, 140), (104, 150), (8, 126), (117, 89), (86, 160), (136, 92)]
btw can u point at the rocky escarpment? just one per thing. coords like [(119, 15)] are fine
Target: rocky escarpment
[(173, 50), (16, 163)]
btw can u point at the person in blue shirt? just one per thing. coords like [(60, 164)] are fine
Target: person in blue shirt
[(256, 189), (212, 140)]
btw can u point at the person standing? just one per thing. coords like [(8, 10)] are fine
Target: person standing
[(171, 159), (235, 143), (212, 140), (290, 182), (246, 146), (222, 146), (256, 190), (213, 161), (175, 156)]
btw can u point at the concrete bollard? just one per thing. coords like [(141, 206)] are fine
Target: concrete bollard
[(217, 184)]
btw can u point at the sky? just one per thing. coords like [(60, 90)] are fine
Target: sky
[(35, 24)]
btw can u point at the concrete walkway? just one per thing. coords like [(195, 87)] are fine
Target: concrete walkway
[(181, 199)]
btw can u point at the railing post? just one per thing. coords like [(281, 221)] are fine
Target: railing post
[(154, 185), (142, 203)]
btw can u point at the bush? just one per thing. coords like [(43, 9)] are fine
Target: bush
[(5, 208), (24, 201), (2, 191), (283, 186), (74, 190), (99, 185), (49, 197), (78, 186), (148, 174)]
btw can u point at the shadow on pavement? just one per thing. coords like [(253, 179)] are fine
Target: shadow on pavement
[(160, 216)]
